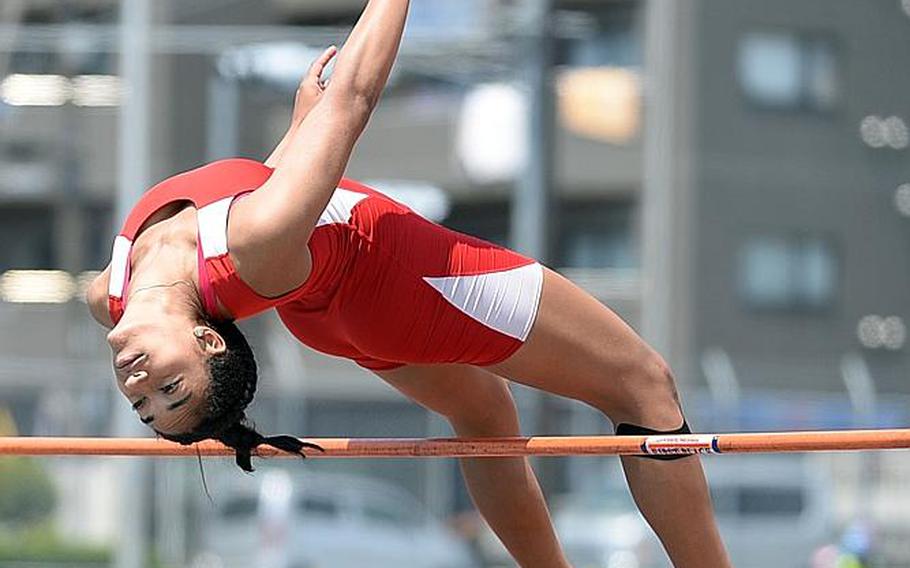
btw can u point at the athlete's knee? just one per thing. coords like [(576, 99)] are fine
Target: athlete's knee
[(647, 395), (660, 379)]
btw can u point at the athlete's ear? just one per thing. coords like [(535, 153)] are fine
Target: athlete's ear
[(210, 340)]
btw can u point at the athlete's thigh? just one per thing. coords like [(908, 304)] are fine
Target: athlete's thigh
[(459, 392), (578, 347)]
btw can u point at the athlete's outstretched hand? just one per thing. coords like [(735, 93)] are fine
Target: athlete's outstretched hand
[(311, 86)]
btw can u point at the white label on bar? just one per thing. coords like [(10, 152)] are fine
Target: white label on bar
[(680, 445)]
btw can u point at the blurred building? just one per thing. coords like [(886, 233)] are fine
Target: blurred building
[(791, 215), (798, 141)]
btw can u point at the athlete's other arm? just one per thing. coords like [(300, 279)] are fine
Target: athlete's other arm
[(309, 91), (269, 230), (96, 295)]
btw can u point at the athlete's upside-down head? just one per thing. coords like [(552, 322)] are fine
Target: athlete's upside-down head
[(189, 378)]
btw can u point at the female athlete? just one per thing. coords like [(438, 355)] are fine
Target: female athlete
[(441, 316)]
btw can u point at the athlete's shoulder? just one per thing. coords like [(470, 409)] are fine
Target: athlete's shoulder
[(355, 186), (358, 186)]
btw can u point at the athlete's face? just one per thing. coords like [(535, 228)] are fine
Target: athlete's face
[(160, 367)]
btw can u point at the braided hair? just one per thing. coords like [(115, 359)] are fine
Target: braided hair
[(232, 385)]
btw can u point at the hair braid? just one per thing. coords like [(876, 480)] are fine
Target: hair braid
[(244, 440)]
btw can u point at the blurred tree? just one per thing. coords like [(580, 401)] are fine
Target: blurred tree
[(27, 495), (7, 423)]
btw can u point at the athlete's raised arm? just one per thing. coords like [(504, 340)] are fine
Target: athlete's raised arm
[(272, 226)]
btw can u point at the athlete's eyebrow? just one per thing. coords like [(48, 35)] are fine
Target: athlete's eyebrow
[(179, 403)]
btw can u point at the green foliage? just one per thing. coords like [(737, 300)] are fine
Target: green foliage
[(27, 495), (27, 499), (41, 544)]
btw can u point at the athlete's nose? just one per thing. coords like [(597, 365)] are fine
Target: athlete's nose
[(135, 379)]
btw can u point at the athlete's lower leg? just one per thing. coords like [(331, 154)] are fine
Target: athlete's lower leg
[(478, 403), (673, 497)]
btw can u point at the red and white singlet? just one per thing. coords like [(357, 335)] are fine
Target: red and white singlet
[(387, 287)]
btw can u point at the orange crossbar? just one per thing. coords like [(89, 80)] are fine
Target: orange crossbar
[(838, 440)]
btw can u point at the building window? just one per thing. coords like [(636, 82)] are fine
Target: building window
[(788, 71), (790, 273), (100, 236), (40, 62), (486, 220), (601, 35), (27, 236), (596, 234)]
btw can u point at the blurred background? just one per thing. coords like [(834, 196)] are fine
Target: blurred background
[(731, 177)]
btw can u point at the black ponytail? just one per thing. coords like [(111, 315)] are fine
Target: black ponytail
[(244, 440)]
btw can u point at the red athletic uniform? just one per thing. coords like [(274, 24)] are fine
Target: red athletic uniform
[(387, 287)]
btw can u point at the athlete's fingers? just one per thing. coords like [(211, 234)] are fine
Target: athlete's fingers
[(318, 66), (311, 86)]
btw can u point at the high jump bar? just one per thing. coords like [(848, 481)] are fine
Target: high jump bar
[(769, 442)]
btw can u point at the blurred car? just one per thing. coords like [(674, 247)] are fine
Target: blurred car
[(605, 530), (321, 521), (772, 510), (598, 527)]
